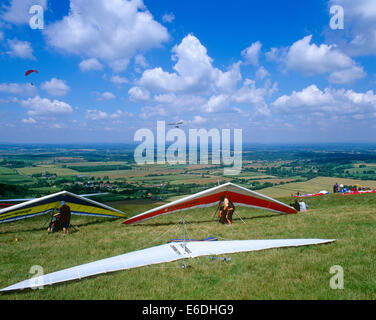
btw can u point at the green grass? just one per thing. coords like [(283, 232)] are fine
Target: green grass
[(47, 168), (285, 273), (6, 171), (11, 176)]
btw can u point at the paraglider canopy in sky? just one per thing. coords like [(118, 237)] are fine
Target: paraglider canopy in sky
[(30, 71)]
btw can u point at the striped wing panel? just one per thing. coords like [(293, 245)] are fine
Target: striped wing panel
[(78, 205), (238, 195)]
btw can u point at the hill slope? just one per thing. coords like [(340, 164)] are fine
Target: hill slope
[(288, 273)]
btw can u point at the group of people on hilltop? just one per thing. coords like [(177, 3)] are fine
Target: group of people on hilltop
[(337, 188), (344, 188)]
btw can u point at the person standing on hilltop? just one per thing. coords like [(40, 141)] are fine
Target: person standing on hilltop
[(226, 211), (65, 215)]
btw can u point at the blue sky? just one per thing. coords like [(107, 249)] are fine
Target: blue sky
[(275, 69)]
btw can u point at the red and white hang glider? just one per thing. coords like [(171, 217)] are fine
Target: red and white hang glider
[(211, 197)]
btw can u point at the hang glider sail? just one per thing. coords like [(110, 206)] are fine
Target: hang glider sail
[(206, 239), (79, 205), (321, 193), (355, 192), (159, 254), (81, 195), (238, 195), (5, 205)]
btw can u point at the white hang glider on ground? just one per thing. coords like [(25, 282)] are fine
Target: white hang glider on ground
[(207, 198), (79, 205), (159, 254)]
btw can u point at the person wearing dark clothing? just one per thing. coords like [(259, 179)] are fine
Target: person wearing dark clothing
[(65, 215), (296, 205), (226, 211)]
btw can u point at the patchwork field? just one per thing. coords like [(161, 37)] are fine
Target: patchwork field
[(42, 169), (11, 176)]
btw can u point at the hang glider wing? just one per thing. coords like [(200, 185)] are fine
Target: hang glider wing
[(11, 202), (79, 205), (81, 195), (159, 254), (321, 193), (17, 200), (238, 195), (175, 123), (355, 192)]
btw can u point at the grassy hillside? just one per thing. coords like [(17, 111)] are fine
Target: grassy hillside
[(286, 273)]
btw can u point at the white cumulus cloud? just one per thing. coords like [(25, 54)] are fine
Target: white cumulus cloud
[(17, 11), (90, 64), (138, 94), (168, 17), (252, 53), (20, 49), (194, 71), (359, 37), (112, 31), (94, 115), (29, 121), (262, 73), (311, 59), (18, 89), (105, 96), (118, 80), (55, 87), (312, 100), (153, 112), (44, 107)]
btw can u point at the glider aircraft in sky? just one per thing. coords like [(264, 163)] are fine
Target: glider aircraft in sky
[(79, 205), (207, 198), (176, 124)]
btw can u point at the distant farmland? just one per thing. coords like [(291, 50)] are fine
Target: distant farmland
[(11, 176), (47, 168)]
